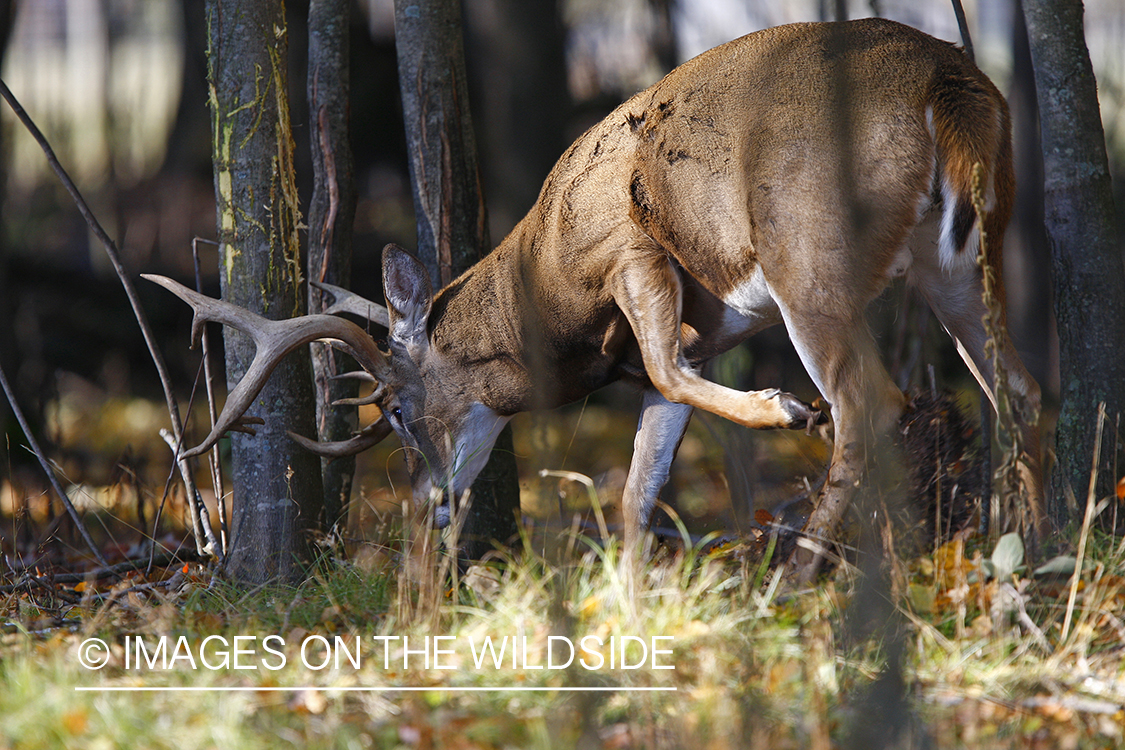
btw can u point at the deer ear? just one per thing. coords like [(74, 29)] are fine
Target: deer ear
[(406, 287)]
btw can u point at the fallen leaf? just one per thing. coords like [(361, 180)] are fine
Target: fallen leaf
[(1007, 558), (921, 598), (1063, 565), (76, 721), (308, 701), (484, 580)]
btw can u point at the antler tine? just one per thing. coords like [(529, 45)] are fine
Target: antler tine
[(352, 303), (364, 439), (356, 375), (273, 339), (371, 398)]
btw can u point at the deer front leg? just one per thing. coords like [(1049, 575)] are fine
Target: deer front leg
[(660, 429), (648, 291)]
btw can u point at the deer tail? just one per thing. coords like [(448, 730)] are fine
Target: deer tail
[(970, 125)]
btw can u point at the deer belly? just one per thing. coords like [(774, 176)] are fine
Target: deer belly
[(712, 325), (750, 307)]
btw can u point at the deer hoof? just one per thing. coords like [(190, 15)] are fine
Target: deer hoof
[(801, 416)]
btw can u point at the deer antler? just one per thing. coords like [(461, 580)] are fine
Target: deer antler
[(352, 303), (366, 438), (273, 339)]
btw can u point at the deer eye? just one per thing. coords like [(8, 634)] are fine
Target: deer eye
[(396, 414)]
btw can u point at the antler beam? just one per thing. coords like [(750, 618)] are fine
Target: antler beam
[(273, 339)]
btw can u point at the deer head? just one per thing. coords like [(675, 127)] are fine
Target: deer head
[(446, 433), (434, 405)]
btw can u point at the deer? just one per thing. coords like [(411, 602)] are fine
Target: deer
[(786, 177)]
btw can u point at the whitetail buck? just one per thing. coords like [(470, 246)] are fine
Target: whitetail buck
[(785, 177)]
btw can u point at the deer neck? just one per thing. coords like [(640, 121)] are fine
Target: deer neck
[(477, 327)]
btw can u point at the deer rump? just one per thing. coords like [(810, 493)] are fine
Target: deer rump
[(784, 177)]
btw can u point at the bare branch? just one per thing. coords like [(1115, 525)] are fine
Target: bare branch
[(31, 441), (201, 521), (212, 411)]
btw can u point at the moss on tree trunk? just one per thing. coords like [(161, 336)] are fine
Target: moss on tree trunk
[(277, 486)]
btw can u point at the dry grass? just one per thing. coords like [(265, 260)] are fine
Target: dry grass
[(987, 661)]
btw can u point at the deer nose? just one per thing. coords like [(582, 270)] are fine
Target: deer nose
[(424, 496), (441, 516)]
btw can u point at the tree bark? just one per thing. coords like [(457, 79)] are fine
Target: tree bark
[(452, 221), (1027, 262), (277, 486), (331, 215), (1088, 271)]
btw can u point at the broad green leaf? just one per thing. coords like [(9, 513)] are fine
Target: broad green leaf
[(1063, 565), (1007, 558)]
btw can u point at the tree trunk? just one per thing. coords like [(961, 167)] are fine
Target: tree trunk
[(1027, 262), (277, 486), (1088, 271), (451, 216), (331, 215), (517, 67)]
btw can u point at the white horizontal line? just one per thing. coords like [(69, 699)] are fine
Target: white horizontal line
[(389, 689)]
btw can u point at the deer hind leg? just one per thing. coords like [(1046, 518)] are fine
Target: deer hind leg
[(660, 429), (648, 291), (844, 362), (955, 296)]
